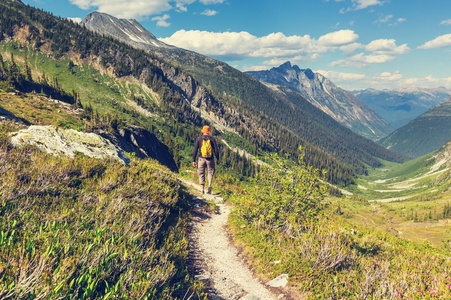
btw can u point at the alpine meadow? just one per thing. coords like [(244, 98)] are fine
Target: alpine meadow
[(325, 191)]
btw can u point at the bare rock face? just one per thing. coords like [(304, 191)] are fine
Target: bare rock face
[(57, 141), (143, 143)]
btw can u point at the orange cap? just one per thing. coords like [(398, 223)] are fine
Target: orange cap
[(206, 129)]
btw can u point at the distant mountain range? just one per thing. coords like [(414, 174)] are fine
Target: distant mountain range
[(399, 106), (341, 105), (424, 134)]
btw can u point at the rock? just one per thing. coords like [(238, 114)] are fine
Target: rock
[(142, 142), (55, 140), (202, 277), (279, 281)]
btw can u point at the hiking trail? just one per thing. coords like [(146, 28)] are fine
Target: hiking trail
[(216, 261)]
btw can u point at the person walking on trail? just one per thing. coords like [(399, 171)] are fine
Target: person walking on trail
[(208, 150)]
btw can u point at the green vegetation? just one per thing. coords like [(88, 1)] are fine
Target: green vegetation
[(282, 226), (423, 135), (84, 228)]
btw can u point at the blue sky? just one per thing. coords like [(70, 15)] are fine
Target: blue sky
[(381, 44)]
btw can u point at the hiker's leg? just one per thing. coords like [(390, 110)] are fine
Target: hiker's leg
[(201, 164), (210, 170)]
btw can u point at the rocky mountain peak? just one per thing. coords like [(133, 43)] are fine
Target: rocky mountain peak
[(341, 105), (129, 31)]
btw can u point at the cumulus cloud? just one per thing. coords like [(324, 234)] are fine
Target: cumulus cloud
[(438, 42), (277, 46), (350, 49), (387, 46), (338, 38), (161, 21), (382, 51), (209, 12), (446, 22)]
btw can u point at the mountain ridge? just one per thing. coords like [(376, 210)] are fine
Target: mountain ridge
[(425, 134), (341, 105), (399, 106)]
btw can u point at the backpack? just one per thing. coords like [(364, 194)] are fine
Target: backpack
[(206, 150)]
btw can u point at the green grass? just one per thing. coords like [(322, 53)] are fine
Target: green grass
[(84, 228), (338, 254)]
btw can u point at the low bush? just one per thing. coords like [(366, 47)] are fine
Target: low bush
[(282, 227)]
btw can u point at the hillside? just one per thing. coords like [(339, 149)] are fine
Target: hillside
[(425, 134), (341, 105), (400, 106), (245, 93), (115, 81)]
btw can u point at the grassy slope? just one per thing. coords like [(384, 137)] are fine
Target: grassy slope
[(418, 192), (330, 257), (84, 228)]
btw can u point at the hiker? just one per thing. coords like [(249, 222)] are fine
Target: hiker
[(208, 148)]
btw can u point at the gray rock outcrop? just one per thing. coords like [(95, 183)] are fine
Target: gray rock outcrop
[(143, 143), (57, 141)]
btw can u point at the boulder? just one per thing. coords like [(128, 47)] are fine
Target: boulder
[(57, 141), (143, 143)]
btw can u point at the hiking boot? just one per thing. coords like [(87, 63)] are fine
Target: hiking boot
[(209, 190)]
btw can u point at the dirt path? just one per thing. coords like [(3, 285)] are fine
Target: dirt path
[(216, 261)]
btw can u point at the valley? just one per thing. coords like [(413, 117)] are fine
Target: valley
[(409, 200)]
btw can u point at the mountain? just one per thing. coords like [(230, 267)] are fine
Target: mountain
[(399, 106), (245, 93), (123, 29), (425, 134), (341, 105)]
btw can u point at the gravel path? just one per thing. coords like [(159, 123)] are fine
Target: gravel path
[(217, 261)]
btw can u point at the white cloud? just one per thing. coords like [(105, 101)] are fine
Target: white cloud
[(385, 19), (438, 42), (361, 60), (277, 46), (350, 49), (161, 21), (387, 46), (361, 4), (384, 80), (138, 9), (400, 20), (128, 9), (338, 38), (76, 20), (446, 22), (382, 51), (209, 12), (390, 76), (207, 2), (339, 76)]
